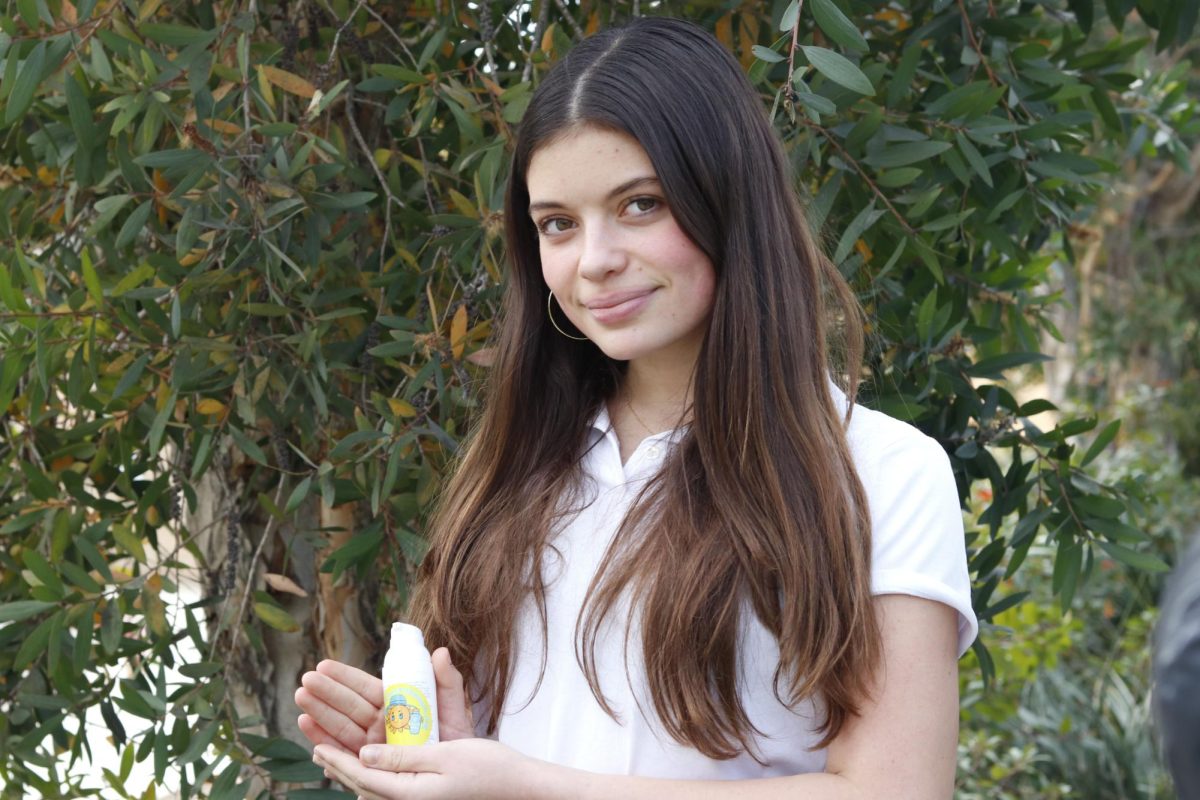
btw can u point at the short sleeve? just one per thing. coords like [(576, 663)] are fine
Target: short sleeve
[(917, 543)]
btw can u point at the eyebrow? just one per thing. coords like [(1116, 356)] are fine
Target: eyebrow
[(624, 187)]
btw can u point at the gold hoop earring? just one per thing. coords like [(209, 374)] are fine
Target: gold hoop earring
[(550, 314)]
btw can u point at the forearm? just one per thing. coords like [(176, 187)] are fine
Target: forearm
[(564, 783)]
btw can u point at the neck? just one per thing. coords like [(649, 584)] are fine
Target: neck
[(660, 394)]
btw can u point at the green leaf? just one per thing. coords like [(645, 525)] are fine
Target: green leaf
[(361, 544), (201, 669), (837, 27), (298, 494), (838, 69), (399, 73), (26, 83), (276, 617), (82, 124), (135, 223), (1134, 558), (1099, 505), (129, 541), (351, 441), (278, 129), (1005, 203), (902, 79), (1102, 441), (791, 15), (857, 227), (130, 377), (973, 158), (1084, 11), (1068, 561), (90, 279), (815, 102), (135, 278), (895, 178), (108, 208), (994, 367), (22, 609), (198, 743), (78, 578), (904, 153), (342, 202), (265, 309), (767, 54), (248, 446), (174, 160), (35, 643), (970, 100), (1116, 530), (175, 35), (925, 316), (28, 9), (40, 567), (1035, 406)]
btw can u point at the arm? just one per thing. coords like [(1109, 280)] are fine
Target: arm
[(901, 746)]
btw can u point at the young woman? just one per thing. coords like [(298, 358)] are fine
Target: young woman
[(671, 555)]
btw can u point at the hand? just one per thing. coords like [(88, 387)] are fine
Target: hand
[(461, 769), (455, 719), (343, 705)]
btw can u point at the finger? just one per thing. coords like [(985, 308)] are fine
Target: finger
[(341, 697), (348, 733), (341, 767), (368, 686), (398, 758), (454, 709), (316, 734), (367, 781)]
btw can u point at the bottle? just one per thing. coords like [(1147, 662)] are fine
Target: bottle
[(409, 690)]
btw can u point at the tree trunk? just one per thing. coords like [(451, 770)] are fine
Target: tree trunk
[(246, 550)]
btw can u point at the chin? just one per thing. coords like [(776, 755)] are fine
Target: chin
[(620, 351)]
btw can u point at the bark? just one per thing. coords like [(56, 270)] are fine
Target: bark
[(265, 664)]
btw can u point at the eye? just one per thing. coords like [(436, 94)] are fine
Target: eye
[(553, 225), (643, 205)]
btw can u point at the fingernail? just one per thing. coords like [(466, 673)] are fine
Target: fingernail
[(370, 754)]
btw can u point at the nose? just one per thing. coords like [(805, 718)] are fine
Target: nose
[(602, 252)]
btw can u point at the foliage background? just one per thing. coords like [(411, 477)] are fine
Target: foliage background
[(249, 264)]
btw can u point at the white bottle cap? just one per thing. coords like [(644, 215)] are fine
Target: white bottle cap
[(405, 635)]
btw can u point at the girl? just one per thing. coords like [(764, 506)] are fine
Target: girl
[(674, 552)]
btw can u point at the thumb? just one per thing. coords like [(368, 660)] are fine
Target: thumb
[(454, 708), (401, 758)]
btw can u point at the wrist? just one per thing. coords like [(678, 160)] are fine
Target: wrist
[(548, 781)]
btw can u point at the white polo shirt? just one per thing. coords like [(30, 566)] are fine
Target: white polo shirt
[(917, 549)]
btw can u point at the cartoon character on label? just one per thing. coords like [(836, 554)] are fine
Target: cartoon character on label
[(407, 716)]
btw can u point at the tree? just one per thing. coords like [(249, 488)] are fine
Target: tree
[(249, 267)]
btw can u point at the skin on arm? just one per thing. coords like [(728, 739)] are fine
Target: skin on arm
[(902, 746)]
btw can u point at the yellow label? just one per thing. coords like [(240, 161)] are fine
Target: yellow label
[(407, 716)]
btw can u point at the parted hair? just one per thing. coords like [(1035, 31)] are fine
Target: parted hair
[(758, 509)]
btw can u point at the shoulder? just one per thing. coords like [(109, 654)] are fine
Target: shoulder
[(881, 444), (917, 535)]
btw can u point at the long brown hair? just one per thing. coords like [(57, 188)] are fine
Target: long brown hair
[(758, 508)]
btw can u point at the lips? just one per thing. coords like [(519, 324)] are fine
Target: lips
[(617, 306)]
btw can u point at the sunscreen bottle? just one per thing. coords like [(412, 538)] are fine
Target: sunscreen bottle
[(409, 690)]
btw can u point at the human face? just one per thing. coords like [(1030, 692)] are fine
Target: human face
[(620, 267)]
